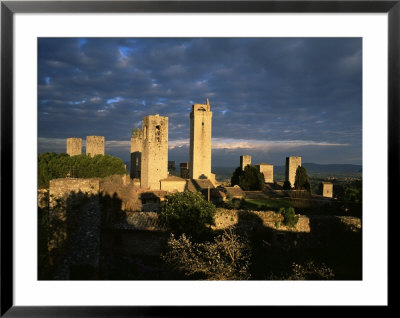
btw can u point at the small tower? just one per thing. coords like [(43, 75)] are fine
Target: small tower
[(74, 146), (154, 164), (291, 166), (200, 141), (94, 145), (136, 153), (244, 161)]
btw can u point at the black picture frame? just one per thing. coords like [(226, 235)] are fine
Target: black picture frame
[(8, 8)]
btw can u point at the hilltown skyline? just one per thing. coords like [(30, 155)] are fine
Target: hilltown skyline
[(271, 97)]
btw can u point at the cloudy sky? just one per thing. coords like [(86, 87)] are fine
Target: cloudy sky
[(270, 97)]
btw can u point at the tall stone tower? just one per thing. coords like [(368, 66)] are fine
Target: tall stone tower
[(74, 146), (291, 165), (244, 161), (200, 141), (154, 166), (136, 152), (94, 145)]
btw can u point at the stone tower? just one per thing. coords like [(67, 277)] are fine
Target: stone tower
[(154, 166), (94, 145), (244, 161), (267, 170), (74, 146), (200, 141), (291, 165), (136, 153)]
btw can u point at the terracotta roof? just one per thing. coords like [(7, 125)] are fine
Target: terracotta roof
[(173, 178), (153, 194), (235, 191), (202, 184)]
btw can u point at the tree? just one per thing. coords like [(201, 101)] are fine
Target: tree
[(248, 179), (287, 185), (301, 181), (188, 212)]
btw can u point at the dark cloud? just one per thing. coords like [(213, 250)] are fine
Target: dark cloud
[(260, 89)]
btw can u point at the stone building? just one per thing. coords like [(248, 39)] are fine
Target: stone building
[(267, 170), (244, 161), (136, 153), (184, 170), (290, 171), (154, 163), (327, 189), (74, 146), (94, 145), (173, 184), (200, 141)]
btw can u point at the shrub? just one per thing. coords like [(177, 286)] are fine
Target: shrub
[(311, 271), (225, 258), (188, 212), (289, 216)]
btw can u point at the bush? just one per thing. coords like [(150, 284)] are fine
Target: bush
[(188, 212), (289, 216), (226, 258)]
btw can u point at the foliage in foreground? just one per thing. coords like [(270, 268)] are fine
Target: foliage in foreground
[(52, 165), (225, 258), (311, 271), (188, 212)]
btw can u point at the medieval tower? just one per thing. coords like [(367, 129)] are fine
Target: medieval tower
[(154, 163), (291, 166), (74, 146), (94, 145), (136, 153), (244, 161), (200, 141)]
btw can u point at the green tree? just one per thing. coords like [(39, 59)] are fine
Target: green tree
[(249, 179), (52, 165), (301, 181), (188, 212)]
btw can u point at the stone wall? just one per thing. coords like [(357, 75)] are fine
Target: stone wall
[(62, 188), (244, 161), (94, 145), (74, 146), (267, 170), (291, 165), (75, 220), (200, 141), (154, 165)]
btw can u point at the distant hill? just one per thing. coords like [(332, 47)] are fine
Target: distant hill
[(315, 168)]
